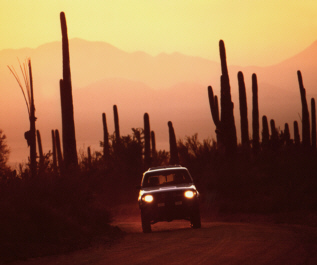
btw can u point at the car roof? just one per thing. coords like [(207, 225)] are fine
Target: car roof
[(164, 168)]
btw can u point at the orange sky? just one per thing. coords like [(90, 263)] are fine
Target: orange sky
[(255, 32)]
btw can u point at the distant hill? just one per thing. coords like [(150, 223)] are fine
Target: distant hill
[(168, 87)]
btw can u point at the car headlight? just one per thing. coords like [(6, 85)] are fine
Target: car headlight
[(189, 194), (148, 198)]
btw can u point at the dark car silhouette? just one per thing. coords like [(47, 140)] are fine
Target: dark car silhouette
[(167, 194)]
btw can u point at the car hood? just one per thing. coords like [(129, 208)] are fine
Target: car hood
[(178, 187)]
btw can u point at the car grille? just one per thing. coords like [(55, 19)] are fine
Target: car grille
[(169, 197)]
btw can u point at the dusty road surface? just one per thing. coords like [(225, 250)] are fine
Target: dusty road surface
[(214, 243)]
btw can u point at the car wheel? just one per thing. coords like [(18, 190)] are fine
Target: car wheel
[(195, 219), (146, 223)]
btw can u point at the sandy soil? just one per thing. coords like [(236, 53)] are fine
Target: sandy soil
[(214, 243)]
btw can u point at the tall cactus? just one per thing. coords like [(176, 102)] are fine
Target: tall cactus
[(39, 142), (153, 143), (274, 135), (287, 135), (59, 151), (54, 153), (214, 108), (225, 127), (296, 134), (265, 132), (105, 137), (173, 145), (255, 116), (89, 157), (313, 124), (147, 141), (32, 136), (243, 112), (68, 124), (116, 123), (305, 114), (227, 117)]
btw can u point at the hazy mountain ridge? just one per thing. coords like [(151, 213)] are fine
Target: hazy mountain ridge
[(167, 86)]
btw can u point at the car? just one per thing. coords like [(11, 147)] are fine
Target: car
[(168, 193)]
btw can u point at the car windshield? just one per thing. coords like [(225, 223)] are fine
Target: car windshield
[(168, 177)]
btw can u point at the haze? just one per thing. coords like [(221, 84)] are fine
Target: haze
[(256, 32), (156, 57)]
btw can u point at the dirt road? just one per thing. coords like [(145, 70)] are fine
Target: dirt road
[(214, 243)]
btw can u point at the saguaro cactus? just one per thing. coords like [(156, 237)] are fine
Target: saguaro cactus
[(255, 116), (116, 123), (39, 142), (147, 141), (225, 129), (214, 108), (313, 124), (305, 113), (227, 117), (243, 112), (274, 135), (265, 132), (54, 153), (173, 145), (32, 135), (89, 157), (153, 145), (59, 151), (68, 124), (287, 135), (296, 134), (105, 137)]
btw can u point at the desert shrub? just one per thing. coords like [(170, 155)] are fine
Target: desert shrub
[(53, 214)]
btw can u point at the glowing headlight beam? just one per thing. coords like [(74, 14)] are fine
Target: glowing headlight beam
[(148, 198), (189, 194)]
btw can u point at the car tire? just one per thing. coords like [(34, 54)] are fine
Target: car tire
[(146, 223), (195, 219)]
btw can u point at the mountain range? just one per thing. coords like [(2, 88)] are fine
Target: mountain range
[(170, 87)]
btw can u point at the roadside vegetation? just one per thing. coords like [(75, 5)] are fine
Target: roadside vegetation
[(60, 212)]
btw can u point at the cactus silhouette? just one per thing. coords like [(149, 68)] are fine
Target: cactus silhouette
[(173, 145), (39, 142), (243, 112), (54, 153), (154, 155), (59, 152), (227, 119), (296, 134), (89, 157), (287, 135), (265, 132), (68, 125), (32, 135), (214, 108), (313, 124), (225, 127), (105, 137), (147, 141), (274, 135), (116, 123), (305, 113), (255, 116)]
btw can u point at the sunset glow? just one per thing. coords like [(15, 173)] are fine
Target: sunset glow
[(123, 52), (256, 32)]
